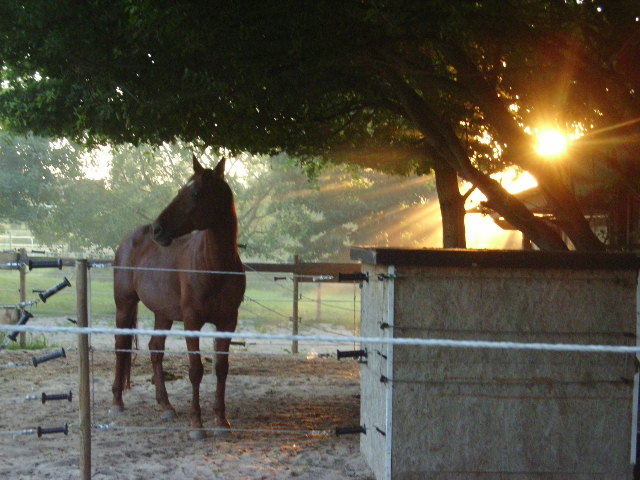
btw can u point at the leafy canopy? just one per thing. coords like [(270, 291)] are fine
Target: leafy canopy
[(402, 85)]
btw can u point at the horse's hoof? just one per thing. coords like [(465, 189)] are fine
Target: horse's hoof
[(168, 415), (116, 410), (198, 434)]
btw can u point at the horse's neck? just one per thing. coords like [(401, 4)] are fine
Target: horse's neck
[(219, 247)]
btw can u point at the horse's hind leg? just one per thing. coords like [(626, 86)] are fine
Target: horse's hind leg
[(126, 314), (156, 346)]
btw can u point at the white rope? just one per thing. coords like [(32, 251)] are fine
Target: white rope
[(103, 427), (205, 353), (273, 431), (28, 431), (179, 270), (416, 342), (25, 399), (16, 365), (212, 272)]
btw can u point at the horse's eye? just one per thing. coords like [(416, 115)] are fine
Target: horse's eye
[(195, 194)]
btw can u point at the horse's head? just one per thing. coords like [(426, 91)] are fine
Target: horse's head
[(205, 201)]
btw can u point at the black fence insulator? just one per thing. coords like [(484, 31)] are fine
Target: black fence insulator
[(71, 320), (384, 276), (351, 430), (56, 396), (277, 279), (241, 344), (352, 354), (381, 432), (47, 431), (24, 318), (53, 290), (353, 277), (45, 264), (45, 358)]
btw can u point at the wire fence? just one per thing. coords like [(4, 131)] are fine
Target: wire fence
[(270, 305), (322, 307)]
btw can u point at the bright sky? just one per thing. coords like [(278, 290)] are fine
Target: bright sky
[(98, 164)]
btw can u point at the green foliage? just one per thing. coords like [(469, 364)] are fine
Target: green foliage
[(33, 175), (281, 212), (400, 85), (261, 77)]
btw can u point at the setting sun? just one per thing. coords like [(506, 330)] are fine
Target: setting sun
[(551, 143)]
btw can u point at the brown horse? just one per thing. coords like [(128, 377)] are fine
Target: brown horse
[(205, 204)]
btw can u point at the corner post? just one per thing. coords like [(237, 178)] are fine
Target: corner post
[(391, 299)]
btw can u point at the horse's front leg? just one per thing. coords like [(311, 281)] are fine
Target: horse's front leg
[(222, 369), (156, 346), (196, 372)]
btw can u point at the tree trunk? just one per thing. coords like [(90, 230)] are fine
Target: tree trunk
[(440, 137), (451, 206), (513, 210), (563, 202), (569, 216)]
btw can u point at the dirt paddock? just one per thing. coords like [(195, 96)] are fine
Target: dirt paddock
[(280, 392)]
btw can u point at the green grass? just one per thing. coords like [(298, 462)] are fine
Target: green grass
[(267, 305), (34, 342)]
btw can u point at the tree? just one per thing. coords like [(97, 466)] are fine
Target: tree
[(33, 176), (407, 85), (281, 213)]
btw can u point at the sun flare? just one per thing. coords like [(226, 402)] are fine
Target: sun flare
[(551, 143)]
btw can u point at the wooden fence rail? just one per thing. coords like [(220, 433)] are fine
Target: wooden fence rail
[(305, 270)]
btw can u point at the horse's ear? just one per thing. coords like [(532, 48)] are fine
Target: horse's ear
[(219, 170), (197, 168)]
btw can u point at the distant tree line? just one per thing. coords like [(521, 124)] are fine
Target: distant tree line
[(282, 210)]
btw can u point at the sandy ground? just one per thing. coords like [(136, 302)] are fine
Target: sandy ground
[(265, 392)]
